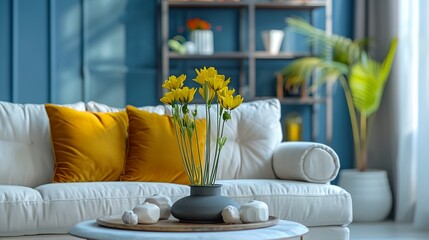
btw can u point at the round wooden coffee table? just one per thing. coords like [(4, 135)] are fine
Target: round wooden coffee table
[(282, 230)]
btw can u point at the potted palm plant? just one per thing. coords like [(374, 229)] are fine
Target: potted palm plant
[(363, 80)]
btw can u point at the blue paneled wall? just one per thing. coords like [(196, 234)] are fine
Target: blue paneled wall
[(64, 51)]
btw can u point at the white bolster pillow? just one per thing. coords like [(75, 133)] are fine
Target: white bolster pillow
[(305, 161)]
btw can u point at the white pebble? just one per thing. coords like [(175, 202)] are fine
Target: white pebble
[(129, 217), (230, 214), (254, 211), (147, 213), (164, 203)]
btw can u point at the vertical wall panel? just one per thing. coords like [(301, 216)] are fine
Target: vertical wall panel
[(104, 51), (31, 51), (66, 51), (5, 50), (141, 51)]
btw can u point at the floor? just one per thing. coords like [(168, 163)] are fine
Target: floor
[(386, 231)]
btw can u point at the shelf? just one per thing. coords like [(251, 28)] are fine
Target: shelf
[(207, 4), (218, 55), (281, 55), (238, 55), (296, 100), (302, 101), (247, 54), (290, 4)]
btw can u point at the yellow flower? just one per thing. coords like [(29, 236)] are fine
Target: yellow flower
[(225, 92), (185, 95), (169, 98), (218, 82), (211, 94), (229, 102), (205, 74), (174, 82)]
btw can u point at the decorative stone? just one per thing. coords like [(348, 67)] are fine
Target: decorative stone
[(254, 211), (147, 213), (230, 214), (130, 218), (164, 203)]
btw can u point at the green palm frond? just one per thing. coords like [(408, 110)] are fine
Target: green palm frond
[(344, 49), (367, 81), (302, 69)]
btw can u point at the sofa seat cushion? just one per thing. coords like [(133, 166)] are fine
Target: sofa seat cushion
[(55, 208), (311, 204), (70, 203), (20, 210)]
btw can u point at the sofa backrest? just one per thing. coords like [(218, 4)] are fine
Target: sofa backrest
[(26, 157), (253, 133)]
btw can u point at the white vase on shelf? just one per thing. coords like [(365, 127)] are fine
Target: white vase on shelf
[(273, 40), (203, 40)]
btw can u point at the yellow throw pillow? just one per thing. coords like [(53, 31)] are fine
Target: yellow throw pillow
[(153, 153), (88, 146)]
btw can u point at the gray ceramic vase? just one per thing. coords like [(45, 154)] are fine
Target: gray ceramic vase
[(204, 205)]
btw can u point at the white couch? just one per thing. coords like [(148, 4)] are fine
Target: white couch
[(291, 177)]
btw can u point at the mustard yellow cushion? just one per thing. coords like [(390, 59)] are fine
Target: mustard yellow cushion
[(87, 146), (153, 152)]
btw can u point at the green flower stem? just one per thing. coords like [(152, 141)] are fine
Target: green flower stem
[(216, 163), (200, 169), (184, 143), (353, 118), (176, 120), (191, 160), (217, 149), (207, 159)]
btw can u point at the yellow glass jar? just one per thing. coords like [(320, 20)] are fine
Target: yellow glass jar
[(293, 127)]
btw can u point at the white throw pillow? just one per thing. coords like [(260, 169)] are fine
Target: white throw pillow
[(100, 107), (26, 156)]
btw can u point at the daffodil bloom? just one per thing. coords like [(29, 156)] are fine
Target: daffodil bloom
[(169, 98), (229, 102), (205, 74), (225, 92), (218, 82), (211, 94), (174, 82), (185, 95)]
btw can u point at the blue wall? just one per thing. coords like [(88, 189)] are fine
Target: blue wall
[(47, 46)]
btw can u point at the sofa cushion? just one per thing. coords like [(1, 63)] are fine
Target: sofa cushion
[(252, 135), (55, 208), (70, 203), (88, 146), (21, 209), (311, 204), (100, 107), (25, 144), (305, 161), (153, 152)]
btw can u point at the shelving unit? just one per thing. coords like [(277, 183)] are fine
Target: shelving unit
[(247, 53)]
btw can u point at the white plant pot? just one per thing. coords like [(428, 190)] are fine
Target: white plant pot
[(370, 191), (203, 40)]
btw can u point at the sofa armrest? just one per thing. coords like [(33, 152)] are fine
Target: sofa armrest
[(305, 161)]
